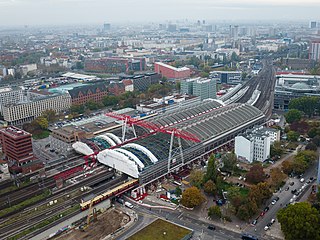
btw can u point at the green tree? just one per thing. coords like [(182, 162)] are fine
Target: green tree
[(293, 115), (204, 74), (196, 177), (50, 115), (292, 136), (300, 221), (42, 122), (212, 170), (210, 188), (192, 197), (276, 149), (77, 109), (229, 162), (306, 104), (110, 101), (316, 140), (178, 191), (247, 210), (313, 132), (256, 174), (214, 211), (91, 105), (311, 146)]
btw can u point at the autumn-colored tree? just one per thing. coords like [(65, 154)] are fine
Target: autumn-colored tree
[(192, 197), (277, 177), (287, 167), (196, 177), (42, 122), (260, 193), (256, 174), (209, 187), (50, 115), (214, 211)]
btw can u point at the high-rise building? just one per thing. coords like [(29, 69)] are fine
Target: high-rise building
[(106, 27), (172, 27), (10, 95), (17, 146), (203, 87), (313, 24), (315, 50)]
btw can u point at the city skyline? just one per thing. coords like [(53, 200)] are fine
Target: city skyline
[(60, 12)]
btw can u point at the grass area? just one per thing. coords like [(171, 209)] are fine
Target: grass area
[(44, 223), (25, 203), (43, 134), (243, 191), (159, 230), (13, 187)]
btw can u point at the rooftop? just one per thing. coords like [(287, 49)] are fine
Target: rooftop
[(173, 68), (14, 132)]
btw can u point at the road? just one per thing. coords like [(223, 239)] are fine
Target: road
[(201, 231), (285, 197)]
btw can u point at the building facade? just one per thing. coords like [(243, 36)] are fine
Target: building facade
[(254, 145), (20, 113), (10, 95), (92, 92), (315, 50), (171, 72), (203, 87), (226, 77)]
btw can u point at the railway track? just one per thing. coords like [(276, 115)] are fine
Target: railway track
[(18, 226)]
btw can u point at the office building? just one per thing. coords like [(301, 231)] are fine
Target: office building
[(91, 92), (10, 95), (19, 113), (106, 27), (315, 50), (17, 148), (290, 86), (313, 24), (254, 145), (203, 87), (171, 72), (172, 27), (226, 77)]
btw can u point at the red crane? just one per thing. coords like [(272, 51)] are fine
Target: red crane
[(155, 128)]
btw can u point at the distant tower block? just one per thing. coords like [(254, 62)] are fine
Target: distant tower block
[(318, 177)]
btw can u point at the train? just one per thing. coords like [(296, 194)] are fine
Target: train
[(113, 192)]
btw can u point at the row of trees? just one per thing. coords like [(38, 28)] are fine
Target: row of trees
[(308, 105), (300, 163)]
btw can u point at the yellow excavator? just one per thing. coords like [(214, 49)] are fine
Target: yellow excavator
[(92, 212)]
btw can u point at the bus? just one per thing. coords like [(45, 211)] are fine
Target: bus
[(246, 236)]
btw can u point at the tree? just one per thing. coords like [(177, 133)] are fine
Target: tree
[(192, 197), (247, 210), (308, 105), (287, 167), (50, 115), (209, 187), (229, 162), (110, 101), (196, 177), (256, 174), (260, 193), (311, 146), (316, 140), (77, 109), (313, 132), (212, 171), (292, 136), (204, 74), (277, 177), (293, 115), (276, 149), (42, 122), (91, 105), (178, 191), (300, 221), (214, 211)]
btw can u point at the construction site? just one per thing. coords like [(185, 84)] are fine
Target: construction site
[(97, 226)]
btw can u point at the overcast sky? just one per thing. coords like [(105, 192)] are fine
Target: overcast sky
[(57, 12)]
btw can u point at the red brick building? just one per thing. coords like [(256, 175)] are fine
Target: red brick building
[(92, 92), (17, 147), (116, 88), (171, 72)]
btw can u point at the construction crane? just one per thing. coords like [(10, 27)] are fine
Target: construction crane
[(154, 128), (91, 211)]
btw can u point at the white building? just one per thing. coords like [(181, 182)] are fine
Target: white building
[(255, 144), (10, 95), (17, 114)]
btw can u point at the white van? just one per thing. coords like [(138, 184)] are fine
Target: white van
[(129, 205)]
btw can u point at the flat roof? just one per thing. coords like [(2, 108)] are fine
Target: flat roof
[(14, 132), (173, 68)]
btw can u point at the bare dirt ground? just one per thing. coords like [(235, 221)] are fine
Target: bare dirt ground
[(107, 223)]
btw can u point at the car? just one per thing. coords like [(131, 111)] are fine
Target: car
[(269, 224), (273, 202), (294, 191), (266, 209), (266, 228), (276, 198), (273, 221), (211, 227), (287, 189), (262, 214), (311, 178), (254, 222), (308, 182), (302, 180), (292, 183)]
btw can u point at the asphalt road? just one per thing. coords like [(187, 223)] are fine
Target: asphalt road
[(285, 197)]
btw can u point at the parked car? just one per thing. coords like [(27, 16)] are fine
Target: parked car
[(254, 222), (211, 227)]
